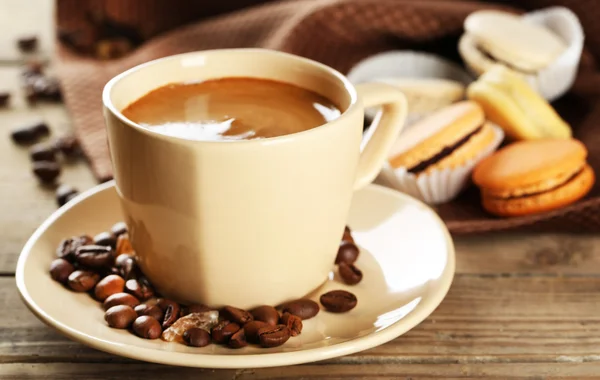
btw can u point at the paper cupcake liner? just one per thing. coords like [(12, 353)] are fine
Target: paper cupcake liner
[(437, 186), (556, 79)]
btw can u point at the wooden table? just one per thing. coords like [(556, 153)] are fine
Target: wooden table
[(521, 305)]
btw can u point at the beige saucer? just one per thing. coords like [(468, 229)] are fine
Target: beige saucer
[(407, 258)]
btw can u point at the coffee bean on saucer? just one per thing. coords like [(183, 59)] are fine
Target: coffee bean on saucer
[(119, 229), (197, 308), (233, 314), (124, 244), (108, 286), (347, 253), (141, 289), (94, 256), (60, 269), (27, 43), (127, 266), (105, 238), (120, 316), (251, 330), (349, 273), (273, 336), (46, 171), (171, 315), (196, 337), (83, 281), (303, 308), (150, 310), (338, 301), (42, 152), (293, 323), (4, 98), (120, 299), (266, 314), (223, 331), (238, 340), (63, 193), (66, 249), (147, 327), (67, 145)]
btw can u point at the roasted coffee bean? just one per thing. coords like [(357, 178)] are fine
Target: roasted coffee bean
[(67, 145), (63, 192), (46, 171), (338, 301), (27, 43), (349, 273), (347, 237), (199, 308), (238, 340), (127, 266), (42, 152), (347, 230), (140, 288), (28, 134), (123, 244), (66, 249), (94, 256), (347, 253), (233, 314), (83, 281), (171, 315), (118, 229), (4, 98), (120, 316), (273, 336), (303, 308), (196, 337), (293, 323), (147, 327), (40, 87), (251, 330), (223, 331), (106, 239), (266, 314), (163, 303), (150, 310), (60, 269), (120, 299), (109, 285)]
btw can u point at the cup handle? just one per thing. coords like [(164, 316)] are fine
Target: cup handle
[(386, 127)]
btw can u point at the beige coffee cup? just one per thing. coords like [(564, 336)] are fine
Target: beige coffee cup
[(248, 222)]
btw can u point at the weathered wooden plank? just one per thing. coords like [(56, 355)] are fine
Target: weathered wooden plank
[(483, 320)]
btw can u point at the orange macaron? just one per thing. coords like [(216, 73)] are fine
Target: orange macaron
[(530, 177)]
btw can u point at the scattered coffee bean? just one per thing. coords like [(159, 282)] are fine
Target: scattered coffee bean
[(66, 249), (273, 336), (119, 229), (163, 303), (41, 87), (120, 316), (171, 315), (238, 340), (63, 193), (196, 337), (150, 310), (127, 266), (338, 301), (108, 286), (124, 245), (293, 323), (94, 256), (70, 196), (67, 145), (147, 327), (4, 98), (60, 269), (349, 273), (106, 239), (141, 289), (236, 315), (199, 308), (46, 171), (27, 43), (266, 314), (28, 134), (347, 253), (120, 299), (303, 308), (223, 331), (42, 152), (83, 281), (251, 330)]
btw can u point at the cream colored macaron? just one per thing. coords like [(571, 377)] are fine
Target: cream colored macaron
[(495, 36)]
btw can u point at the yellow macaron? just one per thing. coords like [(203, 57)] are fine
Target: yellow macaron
[(510, 102), (529, 177), (445, 139)]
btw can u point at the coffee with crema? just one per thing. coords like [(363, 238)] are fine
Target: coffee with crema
[(231, 109)]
